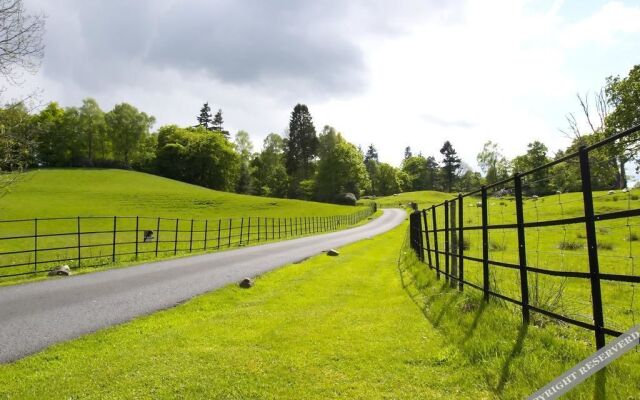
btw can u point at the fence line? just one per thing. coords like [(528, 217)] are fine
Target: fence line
[(38, 245), (454, 231)]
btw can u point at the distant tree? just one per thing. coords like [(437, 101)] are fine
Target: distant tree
[(18, 143), (92, 129), (407, 152), (126, 127), (268, 169), (301, 145), (54, 145), (372, 154), (373, 168), (244, 147), (21, 44), (492, 163), (450, 164), (536, 156), (388, 182), (204, 118)]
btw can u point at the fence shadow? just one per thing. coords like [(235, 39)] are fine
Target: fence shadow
[(515, 352)]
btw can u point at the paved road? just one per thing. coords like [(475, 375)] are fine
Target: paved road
[(36, 315)]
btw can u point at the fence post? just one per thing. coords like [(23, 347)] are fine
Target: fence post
[(592, 248), (191, 237), (113, 248), (446, 240), (79, 257), (426, 237), (241, 230), (454, 246), (460, 243), (157, 235), (137, 228), (522, 250), (249, 231), (35, 244), (175, 240), (485, 244), (229, 242), (414, 225), (206, 233), (219, 227), (435, 240)]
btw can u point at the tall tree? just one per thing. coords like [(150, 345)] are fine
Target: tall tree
[(372, 164), (301, 146), (407, 152), (536, 156), (18, 142), (268, 169), (127, 127), (204, 118), (492, 163), (450, 164), (244, 147), (92, 128)]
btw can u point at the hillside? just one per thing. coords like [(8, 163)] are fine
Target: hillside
[(107, 192)]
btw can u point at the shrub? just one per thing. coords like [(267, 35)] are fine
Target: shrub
[(495, 246), (566, 245), (632, 237), (605, 246), (348, 199)]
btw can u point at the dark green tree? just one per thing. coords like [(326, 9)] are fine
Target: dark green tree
[(127, 127), (204, 118), (301, 146), (450, 164)]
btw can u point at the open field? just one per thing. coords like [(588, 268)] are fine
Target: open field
[(209, 220), (561, 248), (325, 328)]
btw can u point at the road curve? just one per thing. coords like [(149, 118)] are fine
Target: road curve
[(36, 315)]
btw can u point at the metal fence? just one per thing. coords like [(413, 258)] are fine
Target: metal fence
[(33, 246), (442, 236)]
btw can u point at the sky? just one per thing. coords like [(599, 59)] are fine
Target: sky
[(392, 73)]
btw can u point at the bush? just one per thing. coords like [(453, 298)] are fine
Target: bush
[(605, 246), (632, 237), (348, 199)]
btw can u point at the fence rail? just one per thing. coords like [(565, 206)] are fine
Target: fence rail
[(426, 234), (38, 245)]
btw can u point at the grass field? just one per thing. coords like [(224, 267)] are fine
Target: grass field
[(561, 248), (356, 326), (99, 195)]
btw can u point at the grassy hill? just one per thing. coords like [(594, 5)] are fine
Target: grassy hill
[(209, 219), (86, 192)]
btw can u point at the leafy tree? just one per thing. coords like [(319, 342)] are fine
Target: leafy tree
[(204, 118), (18, 144), (492, 163), (126, 127), (244, 147), (268, 169), (388, 181), (450, 164), (301, 146), (21, 45), (92, 129), (341, 167), (54, 144), (536, 156), (372, 165)]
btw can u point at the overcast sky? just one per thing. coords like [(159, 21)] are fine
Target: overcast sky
[(393, 73)]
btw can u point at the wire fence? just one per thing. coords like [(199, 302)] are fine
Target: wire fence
[(39, 245), (567, 257)]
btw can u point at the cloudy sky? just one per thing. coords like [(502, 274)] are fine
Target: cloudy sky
[(392, 73)]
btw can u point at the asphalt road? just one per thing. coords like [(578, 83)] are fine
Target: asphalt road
[(36, 315)]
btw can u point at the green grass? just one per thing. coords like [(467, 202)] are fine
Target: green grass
[(52, 193), (326, 328), (424, 199), (559, 248), (514, 360)]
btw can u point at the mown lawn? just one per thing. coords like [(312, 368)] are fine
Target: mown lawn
[(326, 328)]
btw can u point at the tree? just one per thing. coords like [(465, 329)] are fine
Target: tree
[(450, 164), (492, 163), (268, 170), (244, 147), (388, 182), (301, 145), (340, 168), (407, 152), (92, 129), (127, 127), (373, 167), (18, 143), (21, 42), (538, 182), (204, 118)]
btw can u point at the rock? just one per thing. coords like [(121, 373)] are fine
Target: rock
[(333, 253), (62, 270), (246, 283)]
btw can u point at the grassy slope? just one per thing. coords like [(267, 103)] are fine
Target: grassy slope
[(86, 192), (326, 328)]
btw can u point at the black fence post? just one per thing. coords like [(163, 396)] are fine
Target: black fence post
[(460, 243), (79, 246), (175, 239), (35, 244), (522, 250), (137, 229), (426, 237), (414, 237), (191, 237), (241, 230), (219, 228), (229, 241), (446, 240), (157, 235), (249, 231), (113, 248), (485, 244), (592, 248), (435, 240), (206, 233)]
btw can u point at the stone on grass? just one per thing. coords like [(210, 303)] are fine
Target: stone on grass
[(246, 283), (333, 253), (62, 270)]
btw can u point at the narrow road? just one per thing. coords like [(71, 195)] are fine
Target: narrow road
[(36, 315)]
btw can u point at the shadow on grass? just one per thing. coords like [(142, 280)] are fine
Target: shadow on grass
[(476, 320), (515, 352)]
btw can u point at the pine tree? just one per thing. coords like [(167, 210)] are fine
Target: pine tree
[(301, 146), (450, 163), (204, 119), (407, 152), (372, 154)]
